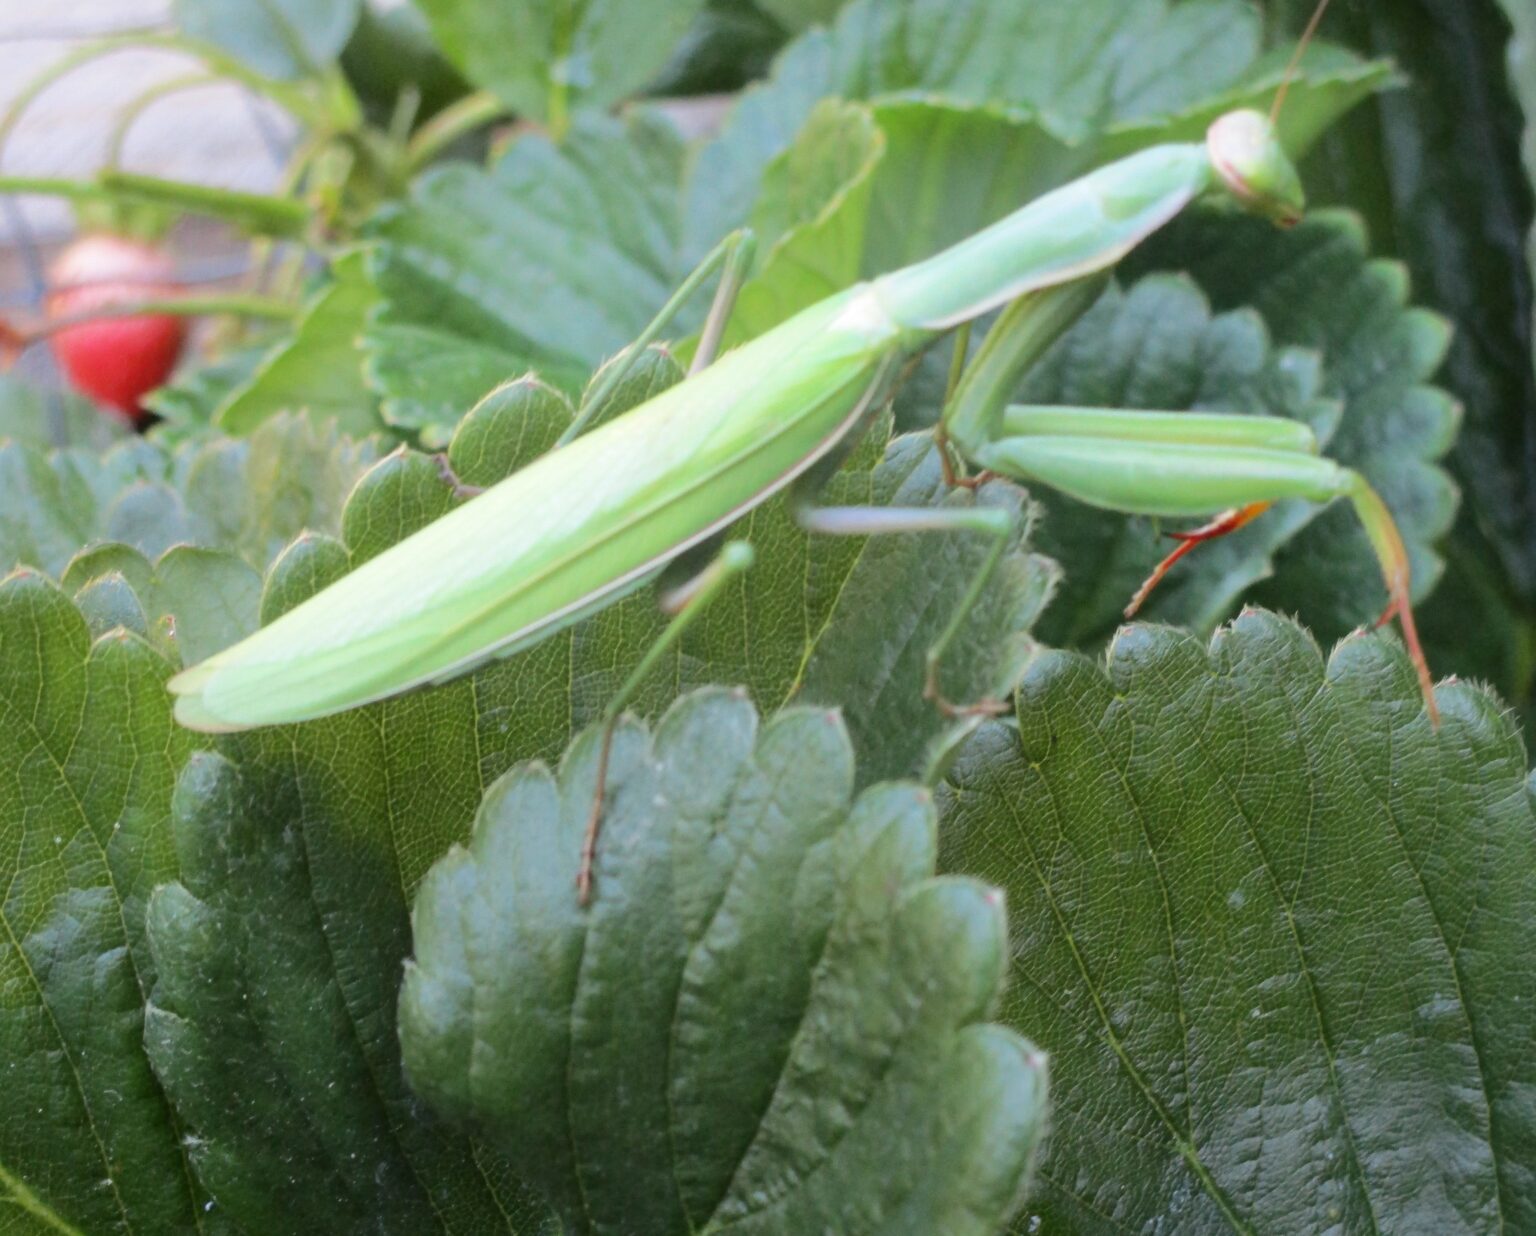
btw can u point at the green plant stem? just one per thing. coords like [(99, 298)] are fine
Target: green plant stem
[(340, 101), (257, 212), (291, 98), (131, 112), (452, 123), (241, 304), (53, 186)]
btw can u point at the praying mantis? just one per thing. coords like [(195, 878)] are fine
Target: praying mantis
[(604, 512)]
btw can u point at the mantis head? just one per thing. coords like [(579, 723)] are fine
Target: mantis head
[(1246, 154)]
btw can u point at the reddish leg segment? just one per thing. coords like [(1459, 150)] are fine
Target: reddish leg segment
[(1227, 521)]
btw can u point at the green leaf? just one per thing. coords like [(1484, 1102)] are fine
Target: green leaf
[(1435, 171), (47, 419), (1086, 66), (560, 254), (50, 505), (1158, 346), (549, 58), (770, 1018), (40, 521), (88, 756), (1273, 929), (280, 38), (918, 175), (271, 1024), (255, 494), (251, 494), (1315, 287), (192, 602), (555, 258), (189, 400), (346, 814), (317, 369), (798, 14)]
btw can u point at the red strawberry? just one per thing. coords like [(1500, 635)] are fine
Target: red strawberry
[(115, 360)]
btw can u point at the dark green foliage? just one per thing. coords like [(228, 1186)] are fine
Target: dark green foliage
[(1269, 928)]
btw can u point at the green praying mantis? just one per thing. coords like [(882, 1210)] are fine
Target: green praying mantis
[(604, 512)]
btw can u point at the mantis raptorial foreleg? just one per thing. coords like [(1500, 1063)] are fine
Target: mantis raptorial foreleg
[(735, 254)]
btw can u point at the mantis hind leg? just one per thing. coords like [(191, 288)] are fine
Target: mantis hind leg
[(1226, 522), (685, 604), (1147, 471), (993, 522)]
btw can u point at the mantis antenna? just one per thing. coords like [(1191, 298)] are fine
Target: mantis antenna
[(1307, 36)]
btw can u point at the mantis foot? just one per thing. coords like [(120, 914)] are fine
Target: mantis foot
[(951, 711), (451, 478)]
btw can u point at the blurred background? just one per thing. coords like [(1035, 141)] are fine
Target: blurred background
[(212, 132)]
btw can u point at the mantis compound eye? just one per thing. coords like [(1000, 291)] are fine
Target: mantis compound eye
[(1245, 152)]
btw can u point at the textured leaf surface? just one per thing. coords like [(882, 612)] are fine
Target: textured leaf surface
[(193, 601), (251, 495), (255, 494), (555, 258), (559, 255), (53, 418), (271, 1024), (53, 503), (770, 1018), (1087, 65), (1274, 931), (918, 175), (281, 38), (1434, 169), (318, 369), (88, 757), (337, 821), (547, 58)]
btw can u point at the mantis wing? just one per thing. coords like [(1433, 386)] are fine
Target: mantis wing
[(573, 530)]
